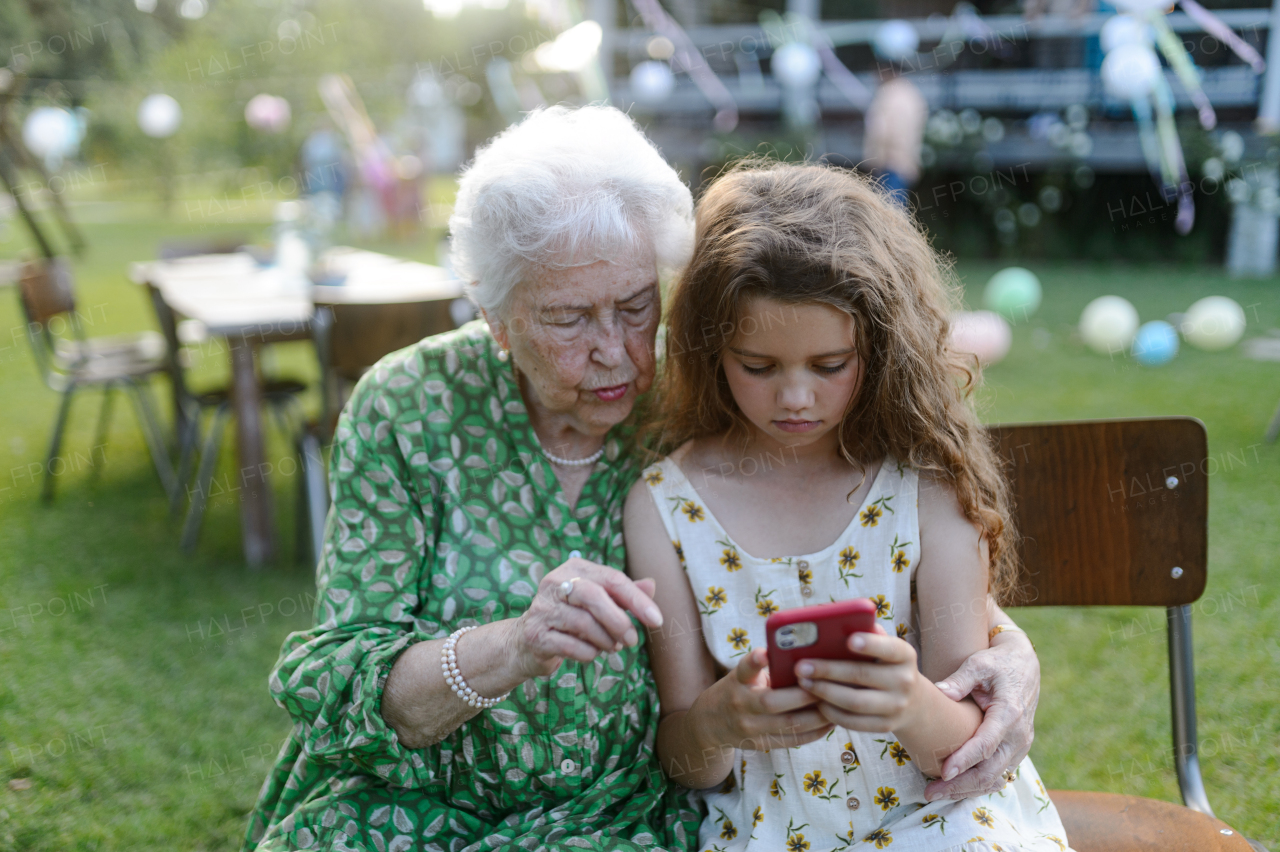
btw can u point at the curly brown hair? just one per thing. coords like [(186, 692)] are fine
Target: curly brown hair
[(809, 233)]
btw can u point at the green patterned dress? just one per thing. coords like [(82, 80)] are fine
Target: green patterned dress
[(445, 514)]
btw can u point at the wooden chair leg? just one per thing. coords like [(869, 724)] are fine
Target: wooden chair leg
[(208, 463), (104, 427)]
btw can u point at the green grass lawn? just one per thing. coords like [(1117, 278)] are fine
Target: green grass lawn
[(133, 693)]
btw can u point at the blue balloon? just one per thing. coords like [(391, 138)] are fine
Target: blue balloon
[(1155, 344)]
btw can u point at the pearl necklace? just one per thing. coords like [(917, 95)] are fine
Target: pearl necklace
[(554, 459)]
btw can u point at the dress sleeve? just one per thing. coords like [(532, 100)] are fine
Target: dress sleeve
[(379, 537)]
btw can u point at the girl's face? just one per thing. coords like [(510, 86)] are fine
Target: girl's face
[(793, 370)]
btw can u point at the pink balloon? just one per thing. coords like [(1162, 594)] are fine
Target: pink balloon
[(267, 113), (981, 333)]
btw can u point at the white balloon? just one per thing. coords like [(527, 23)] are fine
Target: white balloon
[(1124, 29), (1108, 324), (896, 40), (652, 81), (159, 116), (981, 333), (1130, 71), (1213, 323), (796, 65), (1140, 6), (51, 132)]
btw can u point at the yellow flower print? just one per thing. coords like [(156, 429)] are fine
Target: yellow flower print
[(884, 607), (900, 562), (871, 515), (814, 783), (679, 552), (715, 597), (738, 639), (977, 839), (849, 558), (767, 607), (935, 821), (1062, 845), (693, 511), (775, 789), (795, 840), (730, 559), (757, 816), (997, 847), (1041, 787), (881, 837), (902, 631), (983, 817), (886, 797), (728, 832), (653, 476), (806, 576), (898, 753)]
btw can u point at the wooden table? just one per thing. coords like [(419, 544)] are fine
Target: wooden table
[(249, 304)]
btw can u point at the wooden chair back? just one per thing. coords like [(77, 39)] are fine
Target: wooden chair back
[(46, 289), (363, 333), (1110, 512)]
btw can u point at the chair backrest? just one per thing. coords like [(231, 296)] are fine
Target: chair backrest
[(351, 338), (47, 292), (1110, 512)]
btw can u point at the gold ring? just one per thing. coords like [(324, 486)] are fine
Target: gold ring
[(566, 588)]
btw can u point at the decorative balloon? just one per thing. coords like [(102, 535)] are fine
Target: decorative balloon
[(1108, 324), (1156, 343), (652, 81), (1128, 73), (896, 40), (796, 65), (159, 116), (267, 113), (52, 134), (1214, 323), (1014, 293), (981, 333), (1131, 71)]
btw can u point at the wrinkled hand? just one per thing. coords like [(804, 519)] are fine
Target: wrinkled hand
[(1004, 681), (591, 620), (741, 711)]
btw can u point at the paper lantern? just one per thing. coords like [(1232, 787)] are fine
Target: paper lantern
[(981, 333), (796, 65), (895, 40), (267, 113), (652, 81), (51, 133), (159, 116), (1014, 293), (1156, 343), (1130, 71), (1214, 323), (1108, 324)]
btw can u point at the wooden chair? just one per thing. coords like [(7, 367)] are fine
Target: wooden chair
[(1115, 513), (69, 360)]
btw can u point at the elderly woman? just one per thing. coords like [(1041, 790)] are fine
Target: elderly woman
[(476, 678)]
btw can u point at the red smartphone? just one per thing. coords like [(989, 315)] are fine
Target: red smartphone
[(815, 633)]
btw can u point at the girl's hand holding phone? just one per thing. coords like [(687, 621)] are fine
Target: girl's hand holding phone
[(873, 697), (741, 710)]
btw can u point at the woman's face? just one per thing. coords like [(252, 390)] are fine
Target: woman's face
[(793, 370), (584, 338)]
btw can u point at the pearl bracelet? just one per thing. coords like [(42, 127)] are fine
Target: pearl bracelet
[(453, 677)]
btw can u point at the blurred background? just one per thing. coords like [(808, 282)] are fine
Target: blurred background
[(216, 214)]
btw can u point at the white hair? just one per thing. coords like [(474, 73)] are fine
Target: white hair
[(563, 188)]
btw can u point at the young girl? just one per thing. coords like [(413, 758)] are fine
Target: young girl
[(825, 450)]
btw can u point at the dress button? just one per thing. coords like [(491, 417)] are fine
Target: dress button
[(806, 590), (575, 554), (803, 564), (847, 758), (567, 766), (852, 803)]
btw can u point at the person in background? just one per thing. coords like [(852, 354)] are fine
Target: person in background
[(895, 132)]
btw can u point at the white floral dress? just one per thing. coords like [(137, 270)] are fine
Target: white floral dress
[(850, 790)]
